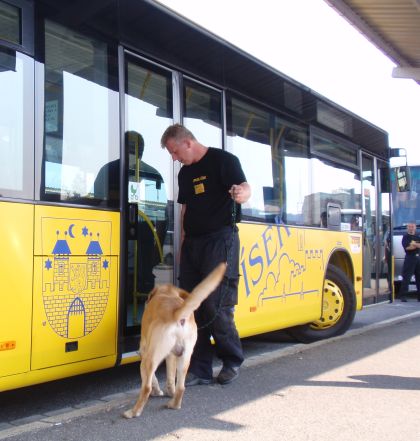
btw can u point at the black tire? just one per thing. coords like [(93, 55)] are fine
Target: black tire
[(339, 308)]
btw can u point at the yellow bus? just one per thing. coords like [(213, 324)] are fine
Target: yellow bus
[(88, 222)]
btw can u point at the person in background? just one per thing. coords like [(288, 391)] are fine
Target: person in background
[(324, 220), (411, 245), (211, 182), (388, 256), (354, 223)]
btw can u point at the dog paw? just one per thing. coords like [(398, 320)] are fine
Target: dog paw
[(156, 393), (128, 414), (171, 404)]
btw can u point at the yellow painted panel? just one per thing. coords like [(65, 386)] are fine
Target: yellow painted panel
[(76, 228), (54, 373), (282, 272), (75, 286), (16, 239)]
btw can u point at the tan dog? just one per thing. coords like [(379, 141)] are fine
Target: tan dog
[(169, 331)]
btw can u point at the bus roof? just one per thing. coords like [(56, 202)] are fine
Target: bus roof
[(161, 34), (190, 46)]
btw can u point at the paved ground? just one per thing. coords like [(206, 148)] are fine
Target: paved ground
[(369, 374)]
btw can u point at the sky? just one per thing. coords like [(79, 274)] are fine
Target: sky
[(310, 42)]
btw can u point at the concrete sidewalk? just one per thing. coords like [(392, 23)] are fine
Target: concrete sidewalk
[(379, 314), (267, 347), (259, 351)]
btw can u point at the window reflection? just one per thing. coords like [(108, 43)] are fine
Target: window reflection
[(287, 186), (203, 113), (150, 254), (16, 125), (9, 23), (294, 184), (249, 140), (334, 183), (369, 226), (80, 115), (148, 113), (328, 146), (271, 151), (385, 254)]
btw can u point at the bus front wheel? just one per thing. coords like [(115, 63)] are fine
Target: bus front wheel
[(338, 309)]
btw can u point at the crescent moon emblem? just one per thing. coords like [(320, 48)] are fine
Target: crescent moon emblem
[(71, 231)]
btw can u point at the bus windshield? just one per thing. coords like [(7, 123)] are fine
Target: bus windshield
[(406, 204)]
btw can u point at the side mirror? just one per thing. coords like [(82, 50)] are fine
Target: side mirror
[(333, 216)]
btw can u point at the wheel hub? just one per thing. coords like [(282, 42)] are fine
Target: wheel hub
[(332, 306)]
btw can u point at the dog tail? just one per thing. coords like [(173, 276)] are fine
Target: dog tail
[(200, 292)]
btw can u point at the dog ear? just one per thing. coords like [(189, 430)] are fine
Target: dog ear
[(151, 294), (183, 294)]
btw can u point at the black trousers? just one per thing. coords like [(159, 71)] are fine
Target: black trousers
[(199, 256), (411, 266)]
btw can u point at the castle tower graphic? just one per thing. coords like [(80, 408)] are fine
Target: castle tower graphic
[(61, 254), (94, 253), (75, 287)]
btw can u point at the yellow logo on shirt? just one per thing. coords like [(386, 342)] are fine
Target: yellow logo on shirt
[(199, 188)]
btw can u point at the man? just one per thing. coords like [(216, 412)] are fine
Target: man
[(411, 245), (210, 181), (107, 191)]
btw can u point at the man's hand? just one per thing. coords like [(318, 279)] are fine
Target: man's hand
[(413, 245), (240, 193)]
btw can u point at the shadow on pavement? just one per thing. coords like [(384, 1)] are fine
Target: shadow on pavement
[(204, 406)]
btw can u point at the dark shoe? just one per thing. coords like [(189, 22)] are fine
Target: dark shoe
[(227, 375), (193, 380), (403, 299)]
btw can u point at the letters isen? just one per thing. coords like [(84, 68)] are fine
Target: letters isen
[(261, 255)]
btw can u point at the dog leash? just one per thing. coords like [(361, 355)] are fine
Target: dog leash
[(225, 281)]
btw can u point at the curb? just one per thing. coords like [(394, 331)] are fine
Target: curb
[(270, 356), (106, 403), (58, 418)]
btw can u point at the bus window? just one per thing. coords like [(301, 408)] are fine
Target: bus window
[(406, 208), (290, 153), (16, 124), (249, 140), (335, 179), (10, 23), (351, 219), (80, 115), (265, 142), (150, 251), (203, 113)]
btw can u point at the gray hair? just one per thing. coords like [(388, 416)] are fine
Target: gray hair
[(177, 132)]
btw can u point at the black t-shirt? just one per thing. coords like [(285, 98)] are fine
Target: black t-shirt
[(204, 189), (406, 240)]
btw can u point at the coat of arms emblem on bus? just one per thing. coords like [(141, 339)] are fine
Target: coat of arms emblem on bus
[(75, 274)]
